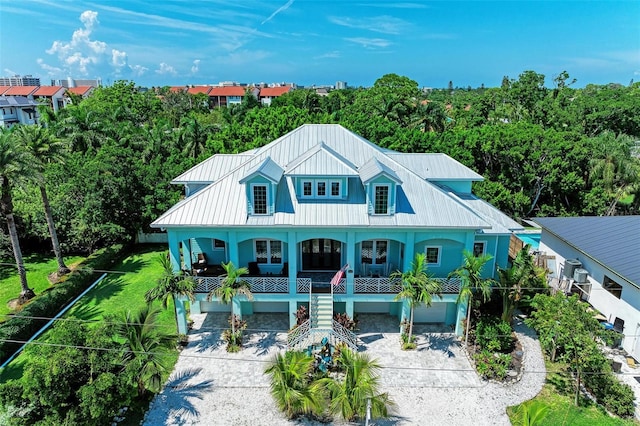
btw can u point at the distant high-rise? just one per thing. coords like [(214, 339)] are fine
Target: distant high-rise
[(71, 82), (16, 80), (341, 84)]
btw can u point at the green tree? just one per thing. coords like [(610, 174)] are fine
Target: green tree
[(15, 166), (418, 287), (359, 387), (171, 284), (45, 149), (146, 347), (231, 286), (522, 275), (472, 283), (290, 387)]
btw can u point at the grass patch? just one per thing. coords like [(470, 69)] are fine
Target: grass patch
[(38, 268), (558, 394)]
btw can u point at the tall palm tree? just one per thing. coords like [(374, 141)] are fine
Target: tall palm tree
[(145, 348), (171, 284), (231, 286), (521, 275), (359, 387), (417, 286), (15, 165), (294, 395), (45, 148), (472, 283)]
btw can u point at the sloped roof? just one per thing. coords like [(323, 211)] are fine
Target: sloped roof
[(436, 166), (274, 91), (321, 161), (80, 90), (4, 89), (419, 203), (48, 90), (178, 89), (20, 90), (612, 241), (212, 168), (17, 101), (268, 169), (500, 222), (374, 168), (228, 91), (199, 89)]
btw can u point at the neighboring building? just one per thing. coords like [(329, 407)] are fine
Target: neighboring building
[(298, 209), (198, 90), (25, 91), (84, 91), (17, 110), (53, 95), (230, 95), (598, 258), (16, 80), (341, 85), (268, 93), (70, 82)]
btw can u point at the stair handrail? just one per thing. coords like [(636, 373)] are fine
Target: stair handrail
[(299, 334), (345, 335)]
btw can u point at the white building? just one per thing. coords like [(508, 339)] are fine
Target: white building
[(17, 110), (599, 258)]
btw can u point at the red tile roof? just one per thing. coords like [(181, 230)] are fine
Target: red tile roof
[(274, 91), (80, 90), (47, 90), (20, 90), (199, 89), (4, 89), (176, 89), (227, 91)]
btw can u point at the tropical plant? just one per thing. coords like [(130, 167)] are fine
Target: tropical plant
[(471, 283), (533, 412), (290, 384), (231, 286), (171, 284), (418, 287), (146, 347), (358, 388), (45, 148), (15, 165), (522, 275)]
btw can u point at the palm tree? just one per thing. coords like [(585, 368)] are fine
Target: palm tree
[(145, 348), (171, 284), (231, 286), (471, 282), (15, 165), (294, 395), (521, 275), (45, 148), (417, 286), (358, 388)]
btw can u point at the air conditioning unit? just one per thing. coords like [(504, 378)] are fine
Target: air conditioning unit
[(580, 275), (570, 265)]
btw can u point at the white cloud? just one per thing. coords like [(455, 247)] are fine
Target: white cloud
[(370, 43), (166, 69), (118, 58), (196, 66), (334, 54), (51, 70), (380, 24), (138, 70), (280, 9)]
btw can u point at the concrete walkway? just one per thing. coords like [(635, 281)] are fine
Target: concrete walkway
[(434, 384)]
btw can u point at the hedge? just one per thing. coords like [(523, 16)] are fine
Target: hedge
[(46, 305)]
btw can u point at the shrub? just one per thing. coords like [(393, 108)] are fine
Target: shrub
[(345, 321), (619, 398), (492, 365), (494, 335)]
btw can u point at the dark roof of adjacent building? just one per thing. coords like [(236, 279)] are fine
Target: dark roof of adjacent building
[(613, 241)]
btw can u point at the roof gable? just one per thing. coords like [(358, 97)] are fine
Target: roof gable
[(199, 89), (374, 168), (48, 91), (268, 169), (321, 160), (274, 91), (80, 90)]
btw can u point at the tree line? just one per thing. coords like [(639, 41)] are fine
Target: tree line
[(105, 169)]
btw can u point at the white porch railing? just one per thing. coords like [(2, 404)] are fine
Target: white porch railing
[(303, 285), (449, 285), (376, 285), (303, 336), (258, 284)]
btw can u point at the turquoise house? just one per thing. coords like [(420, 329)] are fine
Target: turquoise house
[(318, 198)]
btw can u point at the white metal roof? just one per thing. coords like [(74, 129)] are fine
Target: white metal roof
[(321, 161), (212, 168), (374, 168), (419, 203), (268, 168), (435, 166)]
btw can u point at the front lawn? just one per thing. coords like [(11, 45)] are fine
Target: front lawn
[(38, 269)]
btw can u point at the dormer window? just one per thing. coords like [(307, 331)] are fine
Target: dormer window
[(259, 199), (381, 201), (335, 189), (322, 189), (307, 188)]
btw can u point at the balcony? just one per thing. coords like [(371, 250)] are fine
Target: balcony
[(266, 284)]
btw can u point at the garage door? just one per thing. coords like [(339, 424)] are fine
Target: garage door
[(214, 307), (371, 307), (270, 307), (435, 313)]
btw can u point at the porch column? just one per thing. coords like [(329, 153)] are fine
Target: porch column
[(233, 249), (351, 260), (194, 307), (293, 307), (409, 247), (461, 317), (292, 252), (174, 250), (349, 307), (181, 314)]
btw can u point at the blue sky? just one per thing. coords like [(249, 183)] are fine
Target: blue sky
[(178, 42)]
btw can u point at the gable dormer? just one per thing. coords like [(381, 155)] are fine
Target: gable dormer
[(261, 184), (321, 173), (380, 184)]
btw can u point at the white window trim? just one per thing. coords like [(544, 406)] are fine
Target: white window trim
[(373, 193), (439, 255), (327, 189), (484, 246), (268, 241), (253, 201)]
